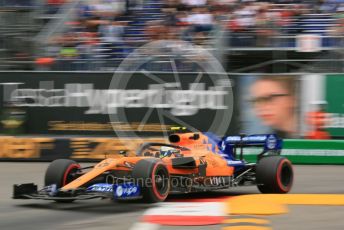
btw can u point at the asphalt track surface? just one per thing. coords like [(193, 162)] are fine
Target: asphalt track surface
[(105, 214)]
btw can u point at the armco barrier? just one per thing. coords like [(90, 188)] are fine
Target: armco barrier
[(92, 149)]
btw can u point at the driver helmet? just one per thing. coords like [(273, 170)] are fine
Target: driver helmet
[(167, 151)]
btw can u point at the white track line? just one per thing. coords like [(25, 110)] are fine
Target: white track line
[(144, 226)]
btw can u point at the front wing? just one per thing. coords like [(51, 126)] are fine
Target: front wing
[(112, 191)]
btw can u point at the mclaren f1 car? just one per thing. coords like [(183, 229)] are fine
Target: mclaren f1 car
[(190, 162)]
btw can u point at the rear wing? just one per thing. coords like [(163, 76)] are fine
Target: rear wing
[(268, 141), (228, 146)]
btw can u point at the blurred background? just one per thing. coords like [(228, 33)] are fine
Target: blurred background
[(269, 36), (87, 79), (284, 59)]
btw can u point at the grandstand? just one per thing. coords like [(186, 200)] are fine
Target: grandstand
[(262, 36)]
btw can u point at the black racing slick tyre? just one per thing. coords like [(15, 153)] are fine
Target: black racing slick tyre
[(153, 178), (274, 174), (60, 172)]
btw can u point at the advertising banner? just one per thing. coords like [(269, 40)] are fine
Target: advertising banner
[(309, 106), (148, 104), (81, 149), (270, 104), (116, 104), (334, 96), (322, 106)]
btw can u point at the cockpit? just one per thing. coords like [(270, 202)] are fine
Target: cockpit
[(160, 150)]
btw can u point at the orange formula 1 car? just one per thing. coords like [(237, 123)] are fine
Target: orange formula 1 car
[(192, 162)]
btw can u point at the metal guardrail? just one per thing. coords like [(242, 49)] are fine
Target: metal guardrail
[(109, 65)]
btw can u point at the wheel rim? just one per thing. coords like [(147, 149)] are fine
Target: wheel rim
[(69, 175), (286, 175), (161, 181)]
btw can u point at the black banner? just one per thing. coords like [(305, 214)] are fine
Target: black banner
[(116, 104)]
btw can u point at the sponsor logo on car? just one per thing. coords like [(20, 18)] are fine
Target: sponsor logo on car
[(230, 162), (253, 138), (271, 142), (233, 138), (101, 188), (126, 190), (51, 189)]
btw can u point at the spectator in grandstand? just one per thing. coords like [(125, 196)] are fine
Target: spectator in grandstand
[(340, 12), (201, 22), (194, 3), (245, 16), (328, 6), (241, 25), (274, 102), (155, 30), (108, 9), (88, 49), (337, 29), (340, 8), (221, 11), (182, 26), (99, 12), (170, 15), (286, 15), (111, 34), (14, 3), (85, 11), (54, 5), (266, 26), (68, 52)]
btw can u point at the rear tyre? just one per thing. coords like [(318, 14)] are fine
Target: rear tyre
[(274, 174), (153, 178), (61, 172)]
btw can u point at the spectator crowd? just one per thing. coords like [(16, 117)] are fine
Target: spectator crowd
[(111, 29)]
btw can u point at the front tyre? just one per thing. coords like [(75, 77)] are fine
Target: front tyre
[(153, 178), (274, 174), (61, 172)]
